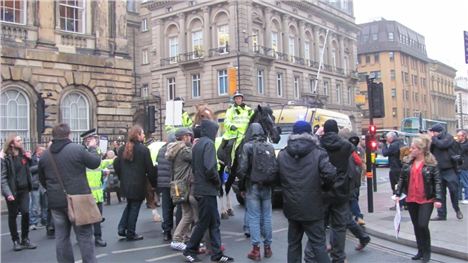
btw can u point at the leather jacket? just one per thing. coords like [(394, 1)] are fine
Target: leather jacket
[(431, 176)]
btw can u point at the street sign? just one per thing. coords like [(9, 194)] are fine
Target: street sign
[(466, 46)]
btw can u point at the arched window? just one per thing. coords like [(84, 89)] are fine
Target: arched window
[(75, 112), (14, 113)]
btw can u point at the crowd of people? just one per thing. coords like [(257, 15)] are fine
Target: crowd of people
[(323, 164)]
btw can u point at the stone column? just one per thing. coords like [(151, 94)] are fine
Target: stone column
[(341, 43), (267, 28), (46, 30), (206, 29), (101, 23), (182, 32), (158, 40), (316, 44), (301, 41), (285, 20)]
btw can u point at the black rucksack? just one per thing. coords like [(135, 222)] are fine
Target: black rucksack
[(264, 163)]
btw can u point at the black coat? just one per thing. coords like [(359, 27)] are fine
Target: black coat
[(8, 176), (305, 171), (432, 180), (392, 151), (164, 168), (133, 174), (440, 149), (464, 148), (72, 160), (34, 172)]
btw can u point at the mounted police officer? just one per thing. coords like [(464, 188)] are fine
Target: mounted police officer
[(95, 179), (236, 122)]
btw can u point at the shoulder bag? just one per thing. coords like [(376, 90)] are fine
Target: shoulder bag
[(82, 208)]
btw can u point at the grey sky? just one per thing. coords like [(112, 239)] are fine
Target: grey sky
[(441, 23)]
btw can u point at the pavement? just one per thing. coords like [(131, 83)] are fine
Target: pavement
[(448, 238)]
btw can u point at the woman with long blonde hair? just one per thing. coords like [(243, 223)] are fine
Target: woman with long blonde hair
[(420, 181)]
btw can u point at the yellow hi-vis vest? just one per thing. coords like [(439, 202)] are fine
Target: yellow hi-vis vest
[(94, 177)]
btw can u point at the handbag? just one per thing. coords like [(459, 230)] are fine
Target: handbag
[(81, 208), (180, 191)]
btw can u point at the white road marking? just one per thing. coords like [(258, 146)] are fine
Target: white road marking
[(280, 230), (138, 249), (164, 257), (232, 233)]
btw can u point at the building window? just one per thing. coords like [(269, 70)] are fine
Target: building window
[(390, 36), (394, 92), (376, 58), (14, 114), (307, 50), (367, 59), (394, 112), (296, 87), (75, 112), (222, 82), (72, 15), (392, 74), (144, 25), (144, 57), (223, 38), (13, 11), (333, 57), (375, 74), (312, 85), (260, 82), (291, 49), (350, 95), (338, 93), (375, 36), (171, 88), (131, 5), (197, 44), (325, 87), (274, 42), (279, 84), (173, 49), (196, 86), (391, 56), (144, 91)]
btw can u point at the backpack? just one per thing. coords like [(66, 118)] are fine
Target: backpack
[(264, 163)]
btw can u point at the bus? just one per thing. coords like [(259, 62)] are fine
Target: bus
[(412, 124)]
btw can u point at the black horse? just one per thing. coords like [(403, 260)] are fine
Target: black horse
[(262, 115)]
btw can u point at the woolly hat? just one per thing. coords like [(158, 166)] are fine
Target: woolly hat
[(330, 126), (302, 127), (183, 131), (437, 128)]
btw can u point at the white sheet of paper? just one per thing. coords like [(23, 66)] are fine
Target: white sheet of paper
[(103, 143), (173, 113), (397, 220)]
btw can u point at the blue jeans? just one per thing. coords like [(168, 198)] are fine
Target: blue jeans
[(63, 246), (129, 217), (354, 205), (464, 183), (34, 207), (259, 213)]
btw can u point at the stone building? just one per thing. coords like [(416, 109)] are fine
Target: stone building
[(75, 55), (461, 93), (198, 45)]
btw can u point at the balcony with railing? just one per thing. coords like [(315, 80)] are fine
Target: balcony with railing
[(14, 32), (169, 60), (190, 58), (75, 39), (219, 51)]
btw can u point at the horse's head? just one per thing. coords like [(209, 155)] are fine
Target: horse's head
[(264, 116), (203, 113)]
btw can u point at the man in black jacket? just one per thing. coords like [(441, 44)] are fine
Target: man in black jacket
[(463, 141), (339, 151), (71, 160), (391, 149), (16, 185), (205, 187), (305, 171), (440, 148)]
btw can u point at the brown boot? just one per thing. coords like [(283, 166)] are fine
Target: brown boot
[(255, 253), (267, 253)]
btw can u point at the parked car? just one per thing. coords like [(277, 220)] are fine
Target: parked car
[(381, 161)]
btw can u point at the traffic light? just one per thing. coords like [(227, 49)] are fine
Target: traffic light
[(41, 115), (378, 106), (373, 145), (150, 123), (372, 130)]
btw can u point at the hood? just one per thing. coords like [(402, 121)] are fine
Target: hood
[(209, 129), (173, 148), (299, 145), (58, 144), (257, 131), (331, 141)]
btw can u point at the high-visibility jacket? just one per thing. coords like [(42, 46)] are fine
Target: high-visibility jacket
[(236, 116), (186, 122), (94, 177)]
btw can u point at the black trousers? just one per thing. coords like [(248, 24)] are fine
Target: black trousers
[(208, 219), (19, 205), (168, 210), (394, 175), (97, 226), (451, 180), (315, 250), (420, 215), (338, 215)]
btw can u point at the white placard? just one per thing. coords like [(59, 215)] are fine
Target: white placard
[(173, 113), (103, 143)]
